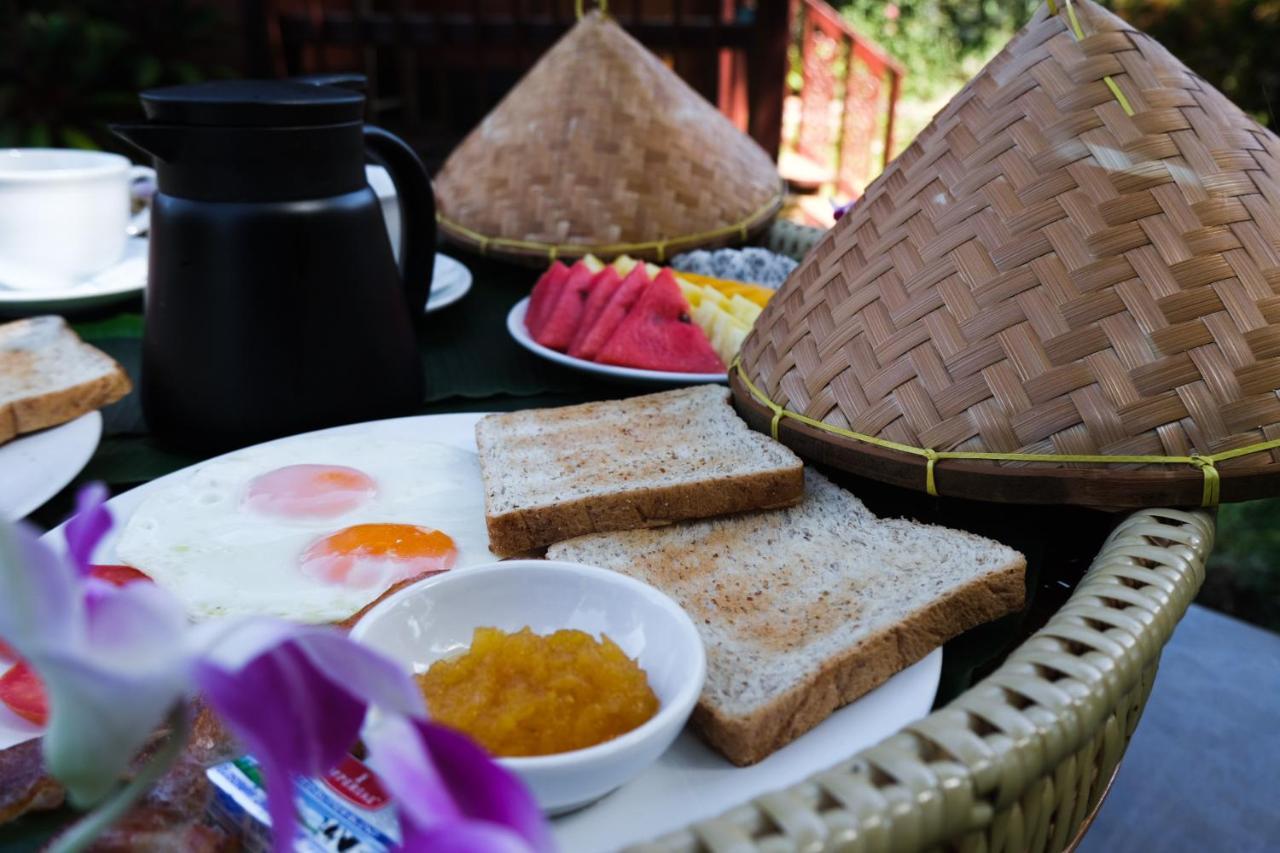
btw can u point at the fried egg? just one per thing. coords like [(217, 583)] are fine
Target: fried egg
[(313, 529)]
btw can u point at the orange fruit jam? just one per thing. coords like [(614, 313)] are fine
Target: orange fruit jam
[(525, 694)]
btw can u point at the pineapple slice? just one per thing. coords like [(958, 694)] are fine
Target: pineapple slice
[(725, 331), (744, 309)]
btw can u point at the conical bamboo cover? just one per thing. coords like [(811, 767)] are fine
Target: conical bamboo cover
[(601, 148), (1078, 256)]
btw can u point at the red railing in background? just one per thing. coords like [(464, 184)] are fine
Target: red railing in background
[(847, 100)]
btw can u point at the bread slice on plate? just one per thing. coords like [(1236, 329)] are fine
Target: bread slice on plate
[(551, 474), (805, 609), (48, 376)]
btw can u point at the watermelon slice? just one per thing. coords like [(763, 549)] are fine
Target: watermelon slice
[(606, 283), (658, 334), (545, 293), (556, 330), (22, 691), (613, 313)]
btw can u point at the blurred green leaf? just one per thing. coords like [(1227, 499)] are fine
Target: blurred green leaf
[(77, 139), (38, 136), (148, 72)]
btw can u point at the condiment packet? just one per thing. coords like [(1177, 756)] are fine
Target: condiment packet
[(345, 811)]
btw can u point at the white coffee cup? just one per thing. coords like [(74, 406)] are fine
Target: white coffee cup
[(64, 213)]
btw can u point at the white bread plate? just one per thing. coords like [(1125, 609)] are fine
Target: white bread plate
[(689, 781)]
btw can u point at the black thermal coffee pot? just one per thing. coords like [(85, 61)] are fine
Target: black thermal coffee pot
[(274, 304)]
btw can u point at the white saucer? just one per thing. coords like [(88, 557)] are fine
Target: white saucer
[(35, 467), (125, 279), (450, 281)]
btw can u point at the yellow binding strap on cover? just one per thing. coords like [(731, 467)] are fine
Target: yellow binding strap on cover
[(1078, 32), (1207, 463)]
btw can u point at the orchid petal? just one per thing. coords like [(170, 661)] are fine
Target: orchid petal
[(464, 838), (442, 780), (110, 691), (41, 605), (252, 668), (399, 756), (233, 644), (85, 529)]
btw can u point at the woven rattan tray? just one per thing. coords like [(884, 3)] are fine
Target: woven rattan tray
[(1021, 760)]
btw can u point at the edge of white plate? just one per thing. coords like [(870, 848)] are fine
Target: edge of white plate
[(450, 296), (515, 326), (82, 434)]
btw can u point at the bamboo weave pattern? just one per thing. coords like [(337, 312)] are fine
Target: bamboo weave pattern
[(601, 146), (1041, 272)]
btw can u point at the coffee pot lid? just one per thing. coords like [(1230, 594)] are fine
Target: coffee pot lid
[(253, 103)]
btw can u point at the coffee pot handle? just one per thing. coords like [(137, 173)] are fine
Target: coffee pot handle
[(417, 214)]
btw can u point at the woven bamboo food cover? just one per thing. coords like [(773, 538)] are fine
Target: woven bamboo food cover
[(602, 149), (1077, 258)]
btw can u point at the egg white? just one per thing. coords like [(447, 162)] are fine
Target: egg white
[(197, 539)]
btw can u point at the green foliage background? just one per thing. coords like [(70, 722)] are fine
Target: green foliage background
[(68, 67), (1234, 44)]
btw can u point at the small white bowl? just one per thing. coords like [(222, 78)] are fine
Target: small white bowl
[(435, 618)]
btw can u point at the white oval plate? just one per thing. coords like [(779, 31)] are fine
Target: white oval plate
[(689, 782), (35, 467), (515, 325), (125, 279), (450, 281)]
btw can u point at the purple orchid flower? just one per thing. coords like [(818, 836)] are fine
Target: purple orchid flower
[(451, 796), (116, 661)]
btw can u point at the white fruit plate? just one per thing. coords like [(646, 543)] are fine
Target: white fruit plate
[(515, 325)]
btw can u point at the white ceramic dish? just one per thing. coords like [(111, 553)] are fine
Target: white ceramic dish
[(515, 325), (690, 781), (123, 280), (435, 619), (450, 281), (35, 467)]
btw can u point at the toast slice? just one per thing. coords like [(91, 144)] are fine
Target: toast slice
[(552, 474), (804, 610), (48, 376)]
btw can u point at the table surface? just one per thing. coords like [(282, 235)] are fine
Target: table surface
[(472, 364)]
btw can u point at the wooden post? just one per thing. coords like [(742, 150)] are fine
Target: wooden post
[(895, 89), (767, 73)]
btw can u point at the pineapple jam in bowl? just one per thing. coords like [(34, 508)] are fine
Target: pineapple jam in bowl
[(437, 618)]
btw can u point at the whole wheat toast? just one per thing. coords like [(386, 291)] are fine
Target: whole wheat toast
[(551, 474), (803, 610), (48, 376)]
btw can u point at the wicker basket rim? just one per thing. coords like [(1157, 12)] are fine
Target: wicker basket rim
[(947, 776), (685, 242)]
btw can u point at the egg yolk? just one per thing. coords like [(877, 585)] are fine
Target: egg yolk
[(368, 555), (309, 491)]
